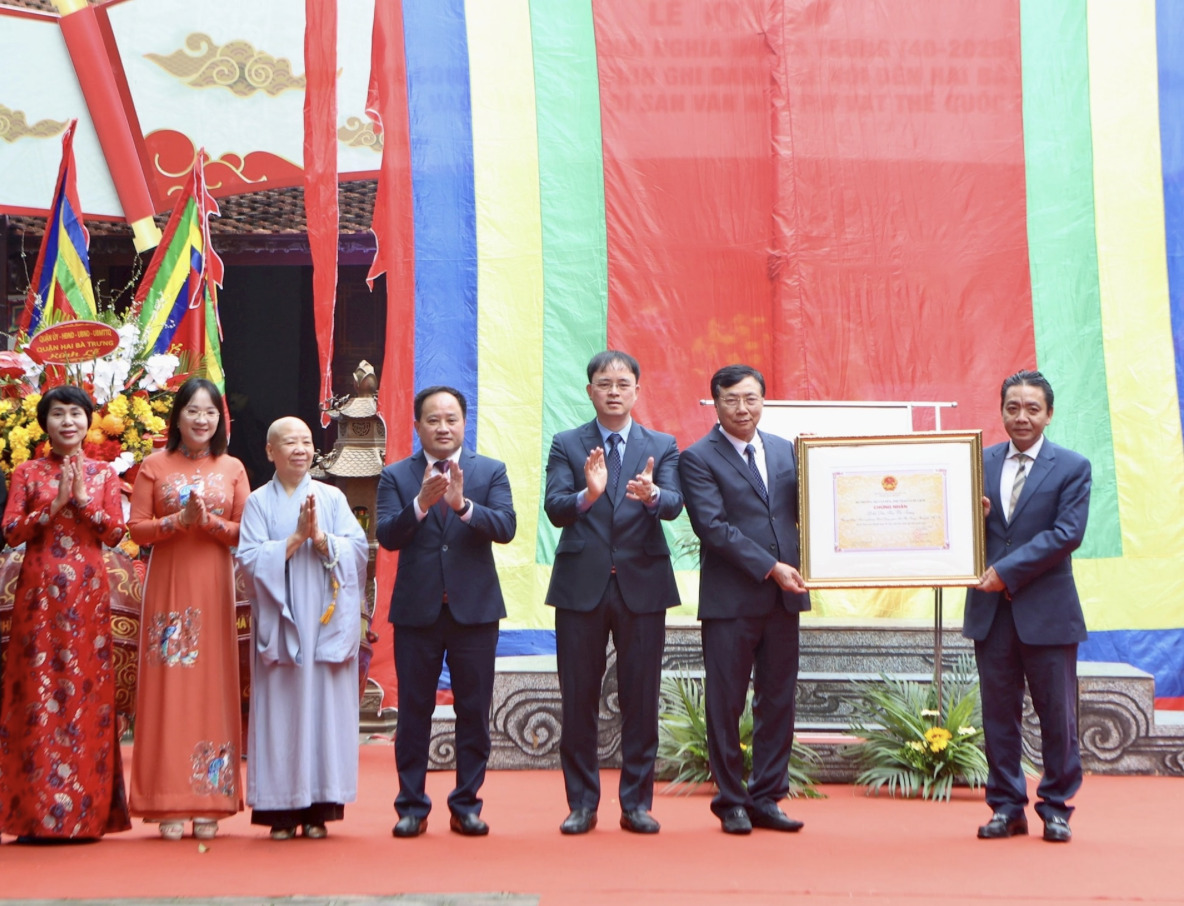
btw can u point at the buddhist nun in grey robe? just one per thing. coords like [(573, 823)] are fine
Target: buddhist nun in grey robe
[(304, 556)]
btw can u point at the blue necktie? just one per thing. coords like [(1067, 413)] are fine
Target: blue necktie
[(614, 463), (750, 453)]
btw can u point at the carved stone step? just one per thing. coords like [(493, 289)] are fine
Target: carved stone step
[(1116, 703)]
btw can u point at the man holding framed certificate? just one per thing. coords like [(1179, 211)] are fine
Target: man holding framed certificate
[(741, 492), (1024, 615)]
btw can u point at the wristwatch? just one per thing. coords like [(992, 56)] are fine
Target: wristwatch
[(464, 509)]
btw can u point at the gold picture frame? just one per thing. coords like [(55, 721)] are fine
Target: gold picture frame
[(893, 511)]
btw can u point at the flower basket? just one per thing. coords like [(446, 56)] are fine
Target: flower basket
[(914, 747), (132, 389)]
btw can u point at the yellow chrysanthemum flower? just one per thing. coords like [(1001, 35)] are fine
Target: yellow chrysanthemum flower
[(131, 438), (36, 432), (19, 436), (95, 436), (156, 424), (113, 425), (140, 408), (938, 738), (118, 407), (5, 406), (19, 455), (29, 404)]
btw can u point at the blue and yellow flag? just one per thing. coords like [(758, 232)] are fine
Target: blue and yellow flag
[(177, 298), (61, 280)]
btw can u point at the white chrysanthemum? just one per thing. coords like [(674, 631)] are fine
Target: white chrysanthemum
[(158, 370)]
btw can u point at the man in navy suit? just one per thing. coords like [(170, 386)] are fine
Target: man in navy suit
[(1024, 615), (612, 574), (741, 490), (443, 509)]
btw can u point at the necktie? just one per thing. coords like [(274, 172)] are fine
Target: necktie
[(1018, 485), (750, 453), (614, 463)]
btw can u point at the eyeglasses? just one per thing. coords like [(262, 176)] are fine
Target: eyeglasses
[(191, 412), (605, 386), (733, 402)]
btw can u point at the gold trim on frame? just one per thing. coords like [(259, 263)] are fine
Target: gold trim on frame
[(967, 559)]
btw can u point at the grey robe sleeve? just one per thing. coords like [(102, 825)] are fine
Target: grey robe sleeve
[(264, 564), (338, 639)]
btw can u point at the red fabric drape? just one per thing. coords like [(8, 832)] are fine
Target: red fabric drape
[(393, 227), (809, 187), (320, 174)]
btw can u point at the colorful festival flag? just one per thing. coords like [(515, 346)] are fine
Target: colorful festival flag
[(61, 280), (178, 297)]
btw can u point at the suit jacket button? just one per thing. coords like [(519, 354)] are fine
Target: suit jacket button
[(444, 548)]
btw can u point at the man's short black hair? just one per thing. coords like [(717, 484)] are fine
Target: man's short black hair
[(1030, 379), (440, 388), (602, 360), (731, 375)]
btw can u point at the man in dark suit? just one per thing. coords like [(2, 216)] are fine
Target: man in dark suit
[(443, 508), (1024, 615), (612, 574), (741, 490)]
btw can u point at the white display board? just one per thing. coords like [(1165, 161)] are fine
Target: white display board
[(789, 418)]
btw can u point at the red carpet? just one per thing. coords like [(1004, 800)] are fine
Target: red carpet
[(854, 848)]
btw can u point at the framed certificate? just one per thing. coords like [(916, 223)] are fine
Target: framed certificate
[(892, 511)]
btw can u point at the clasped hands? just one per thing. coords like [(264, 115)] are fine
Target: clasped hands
[(640, 487), (194, 511), (71, 483), (307, 527), (448, 486)]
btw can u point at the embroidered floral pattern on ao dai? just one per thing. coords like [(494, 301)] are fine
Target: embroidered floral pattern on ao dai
[(60, 770)]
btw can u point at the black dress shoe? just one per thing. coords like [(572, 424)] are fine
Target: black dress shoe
[(639, 821), (410, 826), (1056, 830), (468, 824), (1001, 826), (580, 821), (772, 818), (736, 821)]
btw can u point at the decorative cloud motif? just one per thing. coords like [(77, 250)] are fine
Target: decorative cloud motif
[(359, 133), (236, 66), (13, 125), (173, 153)]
